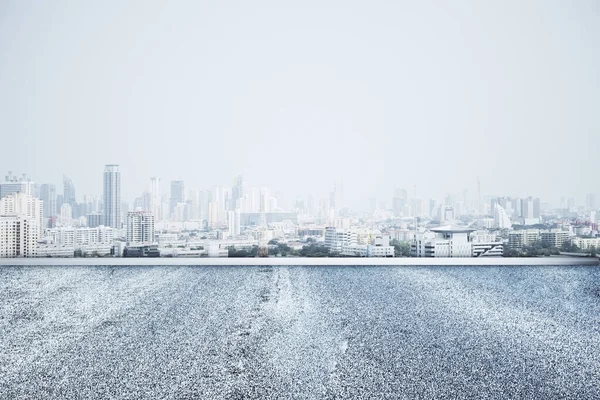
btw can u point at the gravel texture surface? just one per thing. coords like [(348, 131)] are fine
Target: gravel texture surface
[(277, 332)]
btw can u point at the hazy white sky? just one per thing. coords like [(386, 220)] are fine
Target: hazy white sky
[(296, 94)]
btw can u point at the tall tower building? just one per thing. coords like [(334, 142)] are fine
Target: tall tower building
[(112, 196), (48, 196), (234, 222), (177, 195), (237, 192), (69, 191), (590, 201), (156, 198)]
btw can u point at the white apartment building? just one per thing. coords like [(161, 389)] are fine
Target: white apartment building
[(519, 239), (336, 240), (587, 243), (26, 205), (140, 227), (76, 237), (379, 247), (18, 236), (555, 237)]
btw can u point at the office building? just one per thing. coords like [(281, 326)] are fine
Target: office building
[(237, 193), (530, 211), (48, 197), (155, 206), (177, 196), (590, 201), (234, 222), (94, 220), (66, 215), (69, 192), (112, 196), (13, 184)]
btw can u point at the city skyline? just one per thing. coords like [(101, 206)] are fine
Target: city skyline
[(156, 188), (389, 95)]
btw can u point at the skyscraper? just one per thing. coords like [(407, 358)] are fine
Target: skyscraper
[(156, 198), (237, 192), (233, 221), (177, 195), (590, 201), (69, 191), (112, 196), (48, 196)]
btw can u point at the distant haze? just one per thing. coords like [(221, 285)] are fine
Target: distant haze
[(295, 95)]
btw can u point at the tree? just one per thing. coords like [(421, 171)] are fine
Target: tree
[(401, 249), (570, 247), (314, 250)]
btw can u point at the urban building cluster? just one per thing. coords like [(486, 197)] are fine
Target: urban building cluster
[(171, 220)]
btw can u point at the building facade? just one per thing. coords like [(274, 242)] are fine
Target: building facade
[(18, 236), (112, 196), (140, 227), (24, 204)]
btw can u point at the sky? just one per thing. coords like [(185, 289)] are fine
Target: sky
[(295, 95)]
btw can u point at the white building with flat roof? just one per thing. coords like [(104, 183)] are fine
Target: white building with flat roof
[(455, 241), (336, 240)]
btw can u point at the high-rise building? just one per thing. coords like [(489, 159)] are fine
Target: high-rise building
[(25, 205), (590, 201), (112, 196), (528, 209), (140, 227), (234, 222), (18, 236), (13, 184), (69, 191), (48, 196), (94, 220), (66, 215), (501, 218), (177, 195), (156, 198), (237, 192)]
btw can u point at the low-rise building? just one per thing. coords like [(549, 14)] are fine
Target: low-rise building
[(518, 239), (456, 241), (587, 243), (555, 237)]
